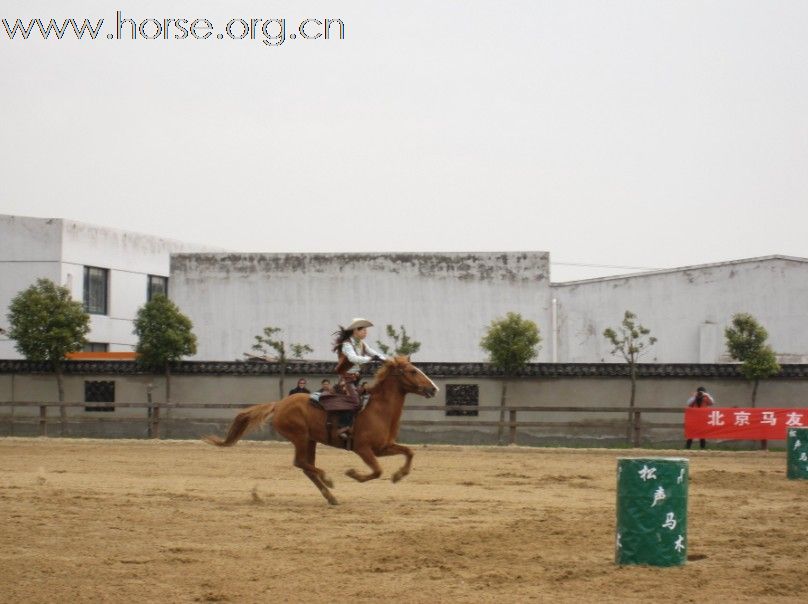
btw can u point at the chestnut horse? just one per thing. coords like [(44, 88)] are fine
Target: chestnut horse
[(375, 429)]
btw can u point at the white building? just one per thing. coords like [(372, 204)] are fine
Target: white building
[(444, 300), (447, 300), (687, 309), (112, 272)]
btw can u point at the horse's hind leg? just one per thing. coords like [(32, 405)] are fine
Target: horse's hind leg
[(313, 473), (311, 452), (370, 459), (396, 449)]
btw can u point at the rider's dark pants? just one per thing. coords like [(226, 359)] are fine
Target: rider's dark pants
[(345, 418)]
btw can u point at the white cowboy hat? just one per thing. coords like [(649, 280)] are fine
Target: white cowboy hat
[(357, 323)]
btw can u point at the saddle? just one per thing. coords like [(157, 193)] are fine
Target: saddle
[(334, 406)]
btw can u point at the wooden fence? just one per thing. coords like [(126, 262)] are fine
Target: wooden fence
[(510, 424)]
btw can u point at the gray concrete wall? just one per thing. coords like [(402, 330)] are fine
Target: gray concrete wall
[(608, 428), (445, 300)]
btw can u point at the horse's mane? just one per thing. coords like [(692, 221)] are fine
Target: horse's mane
[(384, 370)]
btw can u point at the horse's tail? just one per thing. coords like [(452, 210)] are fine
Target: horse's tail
[(249, 419)]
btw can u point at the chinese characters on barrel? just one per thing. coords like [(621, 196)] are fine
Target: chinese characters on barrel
[(797, 453), (656, 494)]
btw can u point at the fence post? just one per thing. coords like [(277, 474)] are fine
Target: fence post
[(637, 429), (43, 420), (149, 410), (512, 420), (13, 408), (156, 422)]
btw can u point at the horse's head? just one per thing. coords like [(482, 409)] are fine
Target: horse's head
[(409, 377)]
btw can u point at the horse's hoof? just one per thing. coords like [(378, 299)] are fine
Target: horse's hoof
[(398, 476)]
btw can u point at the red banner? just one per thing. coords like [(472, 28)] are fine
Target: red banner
[(740, 423)]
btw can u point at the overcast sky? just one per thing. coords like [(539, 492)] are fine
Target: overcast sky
[(626, 133)]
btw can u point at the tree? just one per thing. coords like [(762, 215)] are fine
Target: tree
[(631, 341), (268, 340), (164, 336), (510, 342), (402, 343), (746, 342), (46, 324)]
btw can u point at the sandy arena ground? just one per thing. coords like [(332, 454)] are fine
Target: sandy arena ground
[(179, 521)]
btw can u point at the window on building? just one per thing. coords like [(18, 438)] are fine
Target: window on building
[(463, 394), (96, 290), (99, 392), (96, 347), (157, 285)]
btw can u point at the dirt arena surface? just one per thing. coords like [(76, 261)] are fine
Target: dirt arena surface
[(181, 521)]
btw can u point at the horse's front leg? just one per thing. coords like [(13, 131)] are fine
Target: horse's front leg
[(397, 449), (369, 458)]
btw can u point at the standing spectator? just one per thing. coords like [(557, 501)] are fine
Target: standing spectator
[(301, 387), (700, 398), (325, 387)]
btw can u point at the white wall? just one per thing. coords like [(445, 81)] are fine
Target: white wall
[(29, 250), (91, 245), (688, 309), (444, 300), (130, 258), (59, 250), (25, 239)]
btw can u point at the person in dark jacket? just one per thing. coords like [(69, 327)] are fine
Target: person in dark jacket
[(301, 387), (700, 398)]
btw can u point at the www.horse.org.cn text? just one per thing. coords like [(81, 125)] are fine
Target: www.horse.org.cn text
[(270, 32)]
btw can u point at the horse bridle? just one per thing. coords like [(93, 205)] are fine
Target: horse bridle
[(398, 371)]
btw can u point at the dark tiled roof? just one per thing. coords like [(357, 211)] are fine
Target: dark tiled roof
[(436, 370)]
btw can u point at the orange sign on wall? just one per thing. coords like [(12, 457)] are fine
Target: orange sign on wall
[(101, 356)]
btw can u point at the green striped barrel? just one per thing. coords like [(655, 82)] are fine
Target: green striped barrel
[(651, 511), (797, 458)]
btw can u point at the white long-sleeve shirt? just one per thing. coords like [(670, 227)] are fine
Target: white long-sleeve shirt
[(359, 353)]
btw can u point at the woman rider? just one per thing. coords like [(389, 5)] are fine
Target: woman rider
[(353, 352)]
